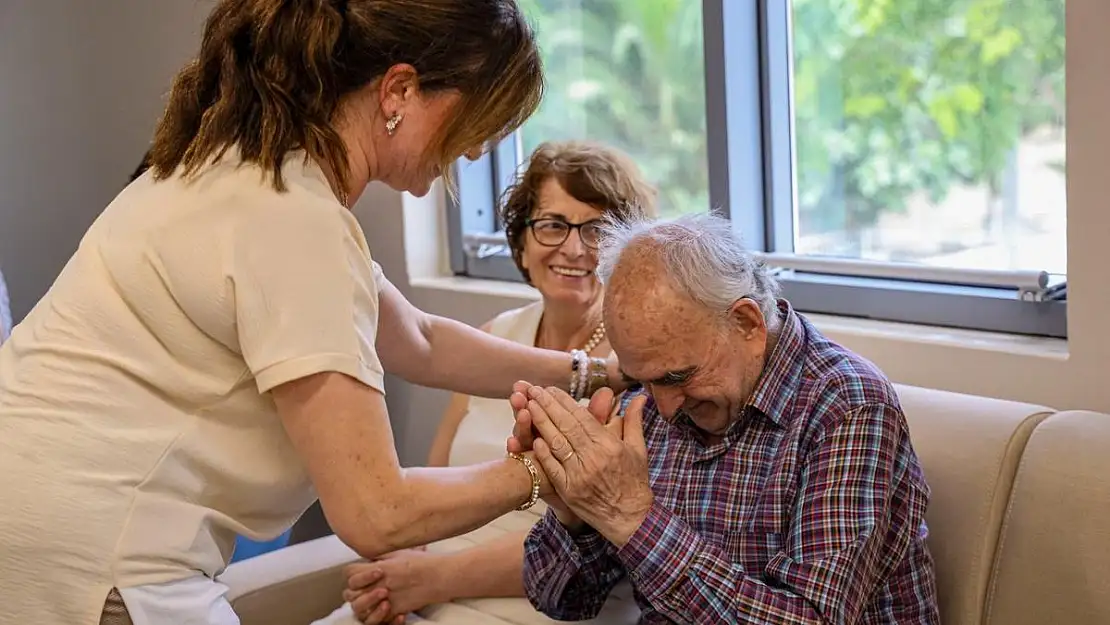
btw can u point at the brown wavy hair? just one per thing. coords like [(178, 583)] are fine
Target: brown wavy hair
[(271, 75), (594, 174)]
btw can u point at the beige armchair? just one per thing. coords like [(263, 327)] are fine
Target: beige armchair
[(293, 586)]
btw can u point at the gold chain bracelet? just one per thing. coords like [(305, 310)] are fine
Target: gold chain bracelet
[(535, 475)]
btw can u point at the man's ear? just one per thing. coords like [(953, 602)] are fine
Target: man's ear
[(747, 317)]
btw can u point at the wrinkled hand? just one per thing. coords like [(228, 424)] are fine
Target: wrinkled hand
[(600, 471), (385, 590), (601, 407), (524, 432), (370, 604)]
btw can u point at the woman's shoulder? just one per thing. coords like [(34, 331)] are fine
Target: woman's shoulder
[(517, 324)]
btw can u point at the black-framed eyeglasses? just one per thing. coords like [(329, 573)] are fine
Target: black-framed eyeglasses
[(551, 232)]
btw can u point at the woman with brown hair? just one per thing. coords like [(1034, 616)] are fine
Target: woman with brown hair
[(552, 218), (211, 359)]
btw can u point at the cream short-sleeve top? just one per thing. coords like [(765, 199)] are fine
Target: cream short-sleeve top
[(137, 437)]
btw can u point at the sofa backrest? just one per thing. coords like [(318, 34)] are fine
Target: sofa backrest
[(1053, 562), (970, 448)]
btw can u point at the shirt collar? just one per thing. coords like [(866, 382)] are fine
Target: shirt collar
[(301, 168), (297, 169), (782, 373)]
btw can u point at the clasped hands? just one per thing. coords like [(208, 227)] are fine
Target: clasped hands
[(594, 471), (594, 459)]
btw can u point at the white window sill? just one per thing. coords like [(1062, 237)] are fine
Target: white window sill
[(476, 286), (843, 329), (1012, 344)]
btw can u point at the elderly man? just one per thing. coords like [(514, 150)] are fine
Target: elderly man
[(766, 477)]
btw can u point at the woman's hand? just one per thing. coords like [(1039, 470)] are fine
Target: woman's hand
[(385, 590), (602, 406), (599, 471), (373, 600)]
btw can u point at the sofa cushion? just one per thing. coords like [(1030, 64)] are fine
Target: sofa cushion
[(1052, 564), (969, 448)]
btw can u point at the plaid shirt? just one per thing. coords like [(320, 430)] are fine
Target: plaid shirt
[(810, 510)]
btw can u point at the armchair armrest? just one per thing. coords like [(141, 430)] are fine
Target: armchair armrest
[(295, 585)]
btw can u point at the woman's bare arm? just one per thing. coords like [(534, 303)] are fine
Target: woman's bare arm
[(340, 428), (501, 563), (490, 569), (442, 353)]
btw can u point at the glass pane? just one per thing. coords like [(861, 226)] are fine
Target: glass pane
[(931, 131), (629, 73)]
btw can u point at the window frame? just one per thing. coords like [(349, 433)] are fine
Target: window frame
[(749, 72)]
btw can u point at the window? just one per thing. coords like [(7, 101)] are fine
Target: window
[(894, 160)]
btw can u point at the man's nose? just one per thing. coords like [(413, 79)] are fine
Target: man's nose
[(668, 400)]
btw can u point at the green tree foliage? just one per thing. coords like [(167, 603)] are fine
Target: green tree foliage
[(892, 97), (629, 73)]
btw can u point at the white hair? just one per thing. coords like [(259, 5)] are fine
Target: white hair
[(702, 255)]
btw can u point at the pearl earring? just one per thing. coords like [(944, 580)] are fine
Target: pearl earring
[(391, 123)]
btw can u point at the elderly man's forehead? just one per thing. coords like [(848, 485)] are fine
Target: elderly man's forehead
[(641, 293), (644, 283), (639, 267), (648, 301)]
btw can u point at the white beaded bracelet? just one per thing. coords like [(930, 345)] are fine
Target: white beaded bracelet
[(580, 362)]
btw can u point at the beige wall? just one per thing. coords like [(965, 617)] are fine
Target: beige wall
[(81, 85), (80, 89)]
